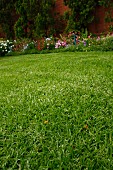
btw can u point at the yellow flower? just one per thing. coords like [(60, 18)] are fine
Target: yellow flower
[(46, 122), (86, 126)]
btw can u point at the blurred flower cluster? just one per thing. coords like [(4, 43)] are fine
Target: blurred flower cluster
[(22, 45), (6, 47), (60, 44)]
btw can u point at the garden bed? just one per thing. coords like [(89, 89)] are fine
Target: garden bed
[(65, 43)]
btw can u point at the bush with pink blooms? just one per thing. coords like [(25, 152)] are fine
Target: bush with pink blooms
[(60, 44)]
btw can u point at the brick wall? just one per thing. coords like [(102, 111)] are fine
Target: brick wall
[(60, 7), (99, 25)]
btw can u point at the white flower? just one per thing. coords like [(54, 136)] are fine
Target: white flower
[(48, 39)]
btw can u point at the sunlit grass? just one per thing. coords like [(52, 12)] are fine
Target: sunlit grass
[(56, 111)]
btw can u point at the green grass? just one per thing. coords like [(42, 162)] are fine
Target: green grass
[(56, 111)]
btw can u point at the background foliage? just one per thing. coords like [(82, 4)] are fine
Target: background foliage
[(81, 13), (35, 18)]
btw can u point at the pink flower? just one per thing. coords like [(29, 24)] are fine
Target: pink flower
[(98, 38)]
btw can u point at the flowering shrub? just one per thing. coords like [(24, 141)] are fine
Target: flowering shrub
[(24, 44), (49, 43), (99, 43), (60, 44), (30, 45), (6, 47)]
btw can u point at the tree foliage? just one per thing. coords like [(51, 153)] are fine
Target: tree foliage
[(106, 3), (81, 13), (34, 17)]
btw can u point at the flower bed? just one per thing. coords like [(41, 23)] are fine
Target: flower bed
[(81, 43), (68, 42)]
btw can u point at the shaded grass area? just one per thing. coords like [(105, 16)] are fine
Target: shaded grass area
[(56, 111)]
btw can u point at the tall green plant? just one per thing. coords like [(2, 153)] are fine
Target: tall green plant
[(81, 13), (35, 17)]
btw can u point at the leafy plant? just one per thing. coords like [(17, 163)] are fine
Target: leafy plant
[(26, 19), (82, 12), (35, 18)]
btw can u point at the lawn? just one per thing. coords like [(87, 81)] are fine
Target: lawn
[(56, 111)]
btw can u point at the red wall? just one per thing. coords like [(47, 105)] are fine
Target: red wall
[(60, 7), (99, 25)]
